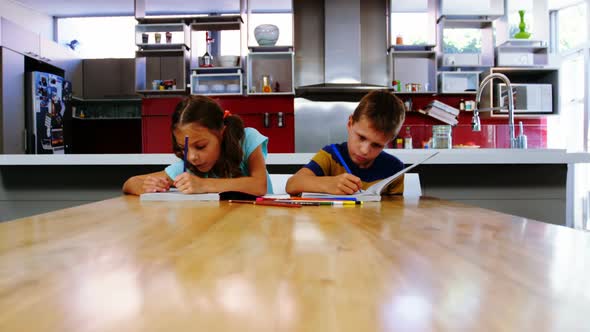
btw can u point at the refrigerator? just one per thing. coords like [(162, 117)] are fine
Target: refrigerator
[(48, 113)]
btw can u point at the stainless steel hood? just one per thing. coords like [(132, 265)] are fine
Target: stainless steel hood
[(346, 48)]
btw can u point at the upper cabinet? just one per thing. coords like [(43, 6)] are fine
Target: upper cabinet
[(19, 39), (490, 8)]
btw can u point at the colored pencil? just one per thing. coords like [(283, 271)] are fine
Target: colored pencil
[(185, 153), (318, 203), (265, 203)]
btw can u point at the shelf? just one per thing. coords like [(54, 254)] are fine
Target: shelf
[(163, 46), (414, 67), (209, 23), (528, 53), (216, 69), (163, 92), (271, 93), (270, 49), (411, 48), (217, 84), (278, 66)]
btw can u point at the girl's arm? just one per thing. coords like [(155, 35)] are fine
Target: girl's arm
[(153, 182), (255, 184), (306, 180)]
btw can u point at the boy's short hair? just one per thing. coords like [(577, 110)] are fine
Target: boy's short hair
[(383, 109)]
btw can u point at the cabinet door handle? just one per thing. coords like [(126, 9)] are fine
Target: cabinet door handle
[(266, 120), (281, 120)]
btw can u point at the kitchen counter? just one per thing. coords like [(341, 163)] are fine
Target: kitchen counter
[(545, 185), (456, 156)]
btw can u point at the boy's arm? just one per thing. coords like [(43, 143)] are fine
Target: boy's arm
[(306, 181), (153, 182)]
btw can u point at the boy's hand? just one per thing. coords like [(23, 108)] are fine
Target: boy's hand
[(153, 184), (189, 184), (344, 184)]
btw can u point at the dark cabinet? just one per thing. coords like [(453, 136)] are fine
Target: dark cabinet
[(109, 78)]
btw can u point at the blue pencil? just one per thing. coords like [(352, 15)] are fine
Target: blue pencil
[(335, 149), (337, 153), (185, 153)]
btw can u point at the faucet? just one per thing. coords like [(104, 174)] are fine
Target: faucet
[(476, 124)]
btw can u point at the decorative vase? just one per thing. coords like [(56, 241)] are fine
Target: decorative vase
[(266, 34), (522, 26)]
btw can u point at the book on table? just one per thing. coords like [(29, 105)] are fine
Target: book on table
[(374, 192), (174, 195)]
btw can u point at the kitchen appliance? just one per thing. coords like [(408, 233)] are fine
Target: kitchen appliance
[(528, 98), (48, 113)]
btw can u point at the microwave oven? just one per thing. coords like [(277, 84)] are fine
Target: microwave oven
[(528, 98)]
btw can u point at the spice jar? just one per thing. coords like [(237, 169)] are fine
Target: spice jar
[(442, 137)]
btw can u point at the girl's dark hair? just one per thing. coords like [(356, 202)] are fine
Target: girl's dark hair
[(206, 112), (383, 109)]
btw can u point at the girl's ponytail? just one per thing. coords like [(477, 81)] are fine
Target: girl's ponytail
[(231, 147)]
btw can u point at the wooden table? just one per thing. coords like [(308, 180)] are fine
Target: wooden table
[(427, 265)]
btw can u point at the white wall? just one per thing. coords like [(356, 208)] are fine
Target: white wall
[(28, 18)]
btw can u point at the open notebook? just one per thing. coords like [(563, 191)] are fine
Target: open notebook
[(373, 193), (175, 195)]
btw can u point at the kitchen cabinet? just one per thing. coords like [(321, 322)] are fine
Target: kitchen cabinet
[(414, 67), (64, 58), (273, 116), (20, 39), (12, 102), (536, 79), (522, 53), (109, 78), (490, 8), (271, 71), (162, 55)]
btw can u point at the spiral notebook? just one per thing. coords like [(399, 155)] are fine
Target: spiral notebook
[(374, 192)]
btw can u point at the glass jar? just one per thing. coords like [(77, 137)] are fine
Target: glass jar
[(442, 137)]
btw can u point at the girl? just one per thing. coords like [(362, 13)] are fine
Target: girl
[(221, 155)]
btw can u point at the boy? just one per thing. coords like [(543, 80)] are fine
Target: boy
[(374, 123)]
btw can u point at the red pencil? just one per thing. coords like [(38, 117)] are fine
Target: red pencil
[(267, 203)]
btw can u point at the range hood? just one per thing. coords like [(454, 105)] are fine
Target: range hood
[(354, 59)]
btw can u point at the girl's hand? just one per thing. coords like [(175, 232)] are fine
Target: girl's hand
[(153, 184), (189, 184), (344, 184)]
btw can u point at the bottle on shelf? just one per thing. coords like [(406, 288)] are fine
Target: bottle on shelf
[(408, 139), (207, 58), (462, 105)]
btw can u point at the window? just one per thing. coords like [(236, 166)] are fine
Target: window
[(414, 28), (571, 27), (99, 37), (462, 40)]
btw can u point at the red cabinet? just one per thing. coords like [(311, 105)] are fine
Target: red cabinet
[(278, 111)]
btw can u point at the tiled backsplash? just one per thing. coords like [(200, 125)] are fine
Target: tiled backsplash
[(493, 134)]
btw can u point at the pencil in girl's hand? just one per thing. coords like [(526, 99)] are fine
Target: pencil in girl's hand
[(266, 203), (185, 153)]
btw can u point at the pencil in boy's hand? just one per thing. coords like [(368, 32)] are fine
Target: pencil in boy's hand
[(337, 153), (185, 153), (266, 203)]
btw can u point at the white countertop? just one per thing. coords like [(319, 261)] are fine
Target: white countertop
[(456, 156)]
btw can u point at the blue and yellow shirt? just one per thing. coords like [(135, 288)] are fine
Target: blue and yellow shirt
[(326, 163)]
